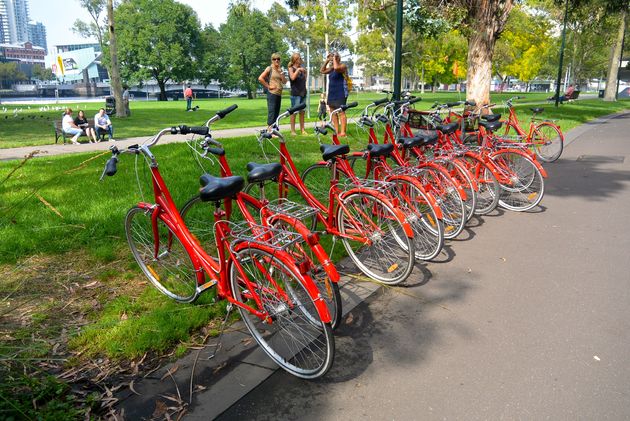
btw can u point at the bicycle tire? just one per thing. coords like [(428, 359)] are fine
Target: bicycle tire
[(428, 229), (522, 184), (440, 184), (172, 272), (489, 187), (548, 141), (197, 216), (288, 335), (381, 260), (459, 171)]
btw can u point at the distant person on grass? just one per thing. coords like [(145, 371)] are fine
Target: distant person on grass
[(321, 110), (103, 125), (297, 76), (273, 79), (69, 127), (188, 94), (82, 123)]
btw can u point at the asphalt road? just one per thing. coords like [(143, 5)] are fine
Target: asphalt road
[(526, 317)]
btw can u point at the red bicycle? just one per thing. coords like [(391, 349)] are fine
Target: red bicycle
[(373, 231), (280, 306), (309, 255)]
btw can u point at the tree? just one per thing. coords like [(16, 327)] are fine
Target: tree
[(96, 28), (158, 39), (249, 40), (521, 50), (9, 73), (121, 109), (213, 57), (615, 53), (43, 74), (486, 20)]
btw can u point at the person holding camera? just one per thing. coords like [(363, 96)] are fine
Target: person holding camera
[(337, 89), (273, 79), (297, 77)]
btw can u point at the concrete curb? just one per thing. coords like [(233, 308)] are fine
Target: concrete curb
[(238, 367)]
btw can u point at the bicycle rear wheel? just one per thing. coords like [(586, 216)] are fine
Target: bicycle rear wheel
[(292, 333), (388, 255), (522, 184), (170, 269), (440, 184), (428, 229), (548, 142), (489, 188)]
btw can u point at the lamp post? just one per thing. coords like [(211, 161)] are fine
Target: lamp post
[(564, 35), (308, 77)]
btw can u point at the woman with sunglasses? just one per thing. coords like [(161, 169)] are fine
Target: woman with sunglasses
[(273, 79)]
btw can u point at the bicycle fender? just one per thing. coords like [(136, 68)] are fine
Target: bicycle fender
[(489, 164)]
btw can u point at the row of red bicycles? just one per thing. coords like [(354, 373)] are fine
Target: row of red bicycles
[(265, 241)]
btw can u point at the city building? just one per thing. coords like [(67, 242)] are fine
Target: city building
[(14, 26), (58, 49), (24, 53), (37, 35)]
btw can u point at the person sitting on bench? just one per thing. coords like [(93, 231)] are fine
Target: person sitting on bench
[(68, 126), (102, 125), (567, 95)]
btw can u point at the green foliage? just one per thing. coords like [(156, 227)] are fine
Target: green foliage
[(249, 40), (213, 61), (41, 73), (520, 52), (157, 39), (306, 18), (424, 20), (97, 26), (35, 398), (9, 73)]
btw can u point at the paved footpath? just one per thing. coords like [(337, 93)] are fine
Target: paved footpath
[(528, 317)]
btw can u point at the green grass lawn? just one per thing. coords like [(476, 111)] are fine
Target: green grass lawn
[(33, 127), (66, 274)]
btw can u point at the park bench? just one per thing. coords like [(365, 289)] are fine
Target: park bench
[(59, 133), (571, 98)]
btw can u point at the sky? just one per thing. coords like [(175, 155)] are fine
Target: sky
[(58, 16)]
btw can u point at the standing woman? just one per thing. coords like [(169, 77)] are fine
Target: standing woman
[(273, 79), (297, 76), (337, 89)]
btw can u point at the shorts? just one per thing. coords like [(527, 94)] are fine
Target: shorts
[(297, 100), (336, 103)]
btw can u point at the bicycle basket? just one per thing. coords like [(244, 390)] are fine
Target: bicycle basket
[(419, 119)]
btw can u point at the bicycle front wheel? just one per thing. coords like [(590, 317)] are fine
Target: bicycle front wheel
[(291, 331), (489, 188), (161, 255), (383, 251), (522, 184), (548, 142)]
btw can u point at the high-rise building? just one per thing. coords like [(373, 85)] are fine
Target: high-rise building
[(14, 21), (37, 34)]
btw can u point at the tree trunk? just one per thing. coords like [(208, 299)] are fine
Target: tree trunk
[(487, 19), (162, 85), (121, 110), (613, 67)]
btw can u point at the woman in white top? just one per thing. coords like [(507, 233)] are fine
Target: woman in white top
[(68, 126)]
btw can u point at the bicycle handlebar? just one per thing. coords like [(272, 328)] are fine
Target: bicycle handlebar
[(381, 101), (297, 108), (226, 111), (183, 129)]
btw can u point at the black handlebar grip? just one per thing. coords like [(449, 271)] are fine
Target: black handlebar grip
[(381, 101), (227, 111), (351, 105), (297, 108), (470, 103), (266, 135), (414, 100), (321, 130), (366, 121), (453, 104), (110, 167), (200, 130)]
